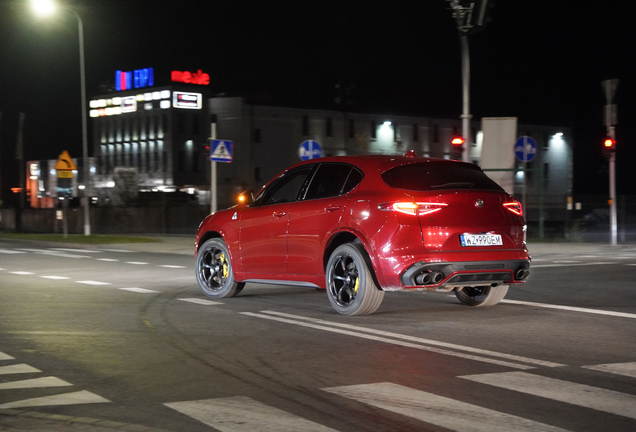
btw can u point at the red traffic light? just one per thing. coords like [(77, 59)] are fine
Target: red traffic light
[(609, 143), (458, 141)]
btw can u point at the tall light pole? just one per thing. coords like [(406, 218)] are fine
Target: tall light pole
[(47, 7), (470, 18)]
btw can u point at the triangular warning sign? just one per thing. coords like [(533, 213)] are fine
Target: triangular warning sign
[(64, 162)]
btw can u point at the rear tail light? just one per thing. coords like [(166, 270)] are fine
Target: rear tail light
[(514, 207), (411, 208)]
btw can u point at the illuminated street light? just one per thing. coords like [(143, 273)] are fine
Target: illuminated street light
[(47, 7)]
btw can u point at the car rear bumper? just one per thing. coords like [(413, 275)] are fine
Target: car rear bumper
[(449, 275)]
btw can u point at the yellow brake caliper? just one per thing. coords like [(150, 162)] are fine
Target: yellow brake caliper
[(226, 268), (357, 285)]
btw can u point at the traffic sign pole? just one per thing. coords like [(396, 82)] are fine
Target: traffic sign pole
[(213, 194)]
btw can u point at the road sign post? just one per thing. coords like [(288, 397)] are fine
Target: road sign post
[(220, 151), (526, 150)]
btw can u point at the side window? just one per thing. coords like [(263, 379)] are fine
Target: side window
[(286, 188), (353, 180), (330, 180)]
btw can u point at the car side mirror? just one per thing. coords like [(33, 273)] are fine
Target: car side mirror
[(245, 198)]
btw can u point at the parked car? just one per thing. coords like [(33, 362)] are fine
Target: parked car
[(362, 225)]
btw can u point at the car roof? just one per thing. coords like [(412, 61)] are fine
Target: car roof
[(382, 163)]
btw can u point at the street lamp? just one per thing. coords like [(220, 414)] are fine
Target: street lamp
[(47, 7)]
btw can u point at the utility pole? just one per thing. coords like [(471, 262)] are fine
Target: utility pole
[(470, 18), (611, 120), (19, 155)]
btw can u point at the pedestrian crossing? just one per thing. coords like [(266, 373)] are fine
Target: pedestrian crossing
[(463, 413), (8, 373)]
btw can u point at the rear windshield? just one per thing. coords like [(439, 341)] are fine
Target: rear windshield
[(432, 177)]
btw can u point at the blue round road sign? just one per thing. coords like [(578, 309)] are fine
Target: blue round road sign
[(309, 150), (525, 149)]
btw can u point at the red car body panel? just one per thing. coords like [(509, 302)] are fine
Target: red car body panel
[(291, 242)]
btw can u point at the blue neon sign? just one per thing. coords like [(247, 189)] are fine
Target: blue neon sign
[(138, 78)]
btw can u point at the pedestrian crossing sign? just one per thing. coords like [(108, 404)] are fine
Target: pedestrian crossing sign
[(221, 151)]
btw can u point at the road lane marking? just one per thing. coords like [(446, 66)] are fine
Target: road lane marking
[(422, 340), (582, 395), (139, 290), (200, 301), (22, 273), (18, 369), (10, 252), (117, 250), (242, 414), (54, 253), (54, 277), (4, 356), (90, 282), (357, 334), (77, 250), (107, 259), (438, 410), (35, 383), (625, 369), (75, 398), (571, 308), (172, 266), (571, 265), (136, 262)]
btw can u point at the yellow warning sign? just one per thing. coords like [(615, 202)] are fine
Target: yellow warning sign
[(65, 163), (64, 174)]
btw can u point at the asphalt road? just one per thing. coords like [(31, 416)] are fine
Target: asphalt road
[(110, 338)]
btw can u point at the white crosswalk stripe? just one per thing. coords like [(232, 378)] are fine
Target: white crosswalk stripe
[(74, 398), (437, 410), (242, 414), (35, 383), (17, 369), (4, 356), (625, 369), (600, 399)]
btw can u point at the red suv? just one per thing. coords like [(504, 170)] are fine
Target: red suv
[(362, 225)]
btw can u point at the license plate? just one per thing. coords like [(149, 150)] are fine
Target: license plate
[(481, 240)]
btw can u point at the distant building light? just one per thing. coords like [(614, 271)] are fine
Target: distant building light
[(81, 187), (110, 184)]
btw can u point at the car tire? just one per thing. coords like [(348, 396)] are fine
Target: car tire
[(350, 285), (482, 296), (214, 270)]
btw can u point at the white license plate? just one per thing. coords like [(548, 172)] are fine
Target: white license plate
[(481, 240)]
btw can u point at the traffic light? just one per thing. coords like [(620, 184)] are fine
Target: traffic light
[(457, 147), (205, 149), (609, 146)]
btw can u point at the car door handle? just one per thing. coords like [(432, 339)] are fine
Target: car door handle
[(333, 207), (279, 214)]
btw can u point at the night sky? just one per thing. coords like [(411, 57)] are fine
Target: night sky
[(539, 60)]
